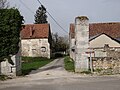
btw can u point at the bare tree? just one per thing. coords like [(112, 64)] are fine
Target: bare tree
[(4, 4), (59, 43)]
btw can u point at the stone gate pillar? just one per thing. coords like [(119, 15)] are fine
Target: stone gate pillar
[(81, 43)]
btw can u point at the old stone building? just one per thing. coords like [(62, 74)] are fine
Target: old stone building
[(72, 41), (100, 42), (101, 36), (36, 40)]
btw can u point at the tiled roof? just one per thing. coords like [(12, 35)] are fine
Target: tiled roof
[(30, 31), (111, 29), (72, 31)]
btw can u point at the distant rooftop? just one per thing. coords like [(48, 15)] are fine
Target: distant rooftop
[(111, 29), (32, 31)]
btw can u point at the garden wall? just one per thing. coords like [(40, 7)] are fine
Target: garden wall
[(109, 64)]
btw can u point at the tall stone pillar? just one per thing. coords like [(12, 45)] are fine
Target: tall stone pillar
[(81, 43)]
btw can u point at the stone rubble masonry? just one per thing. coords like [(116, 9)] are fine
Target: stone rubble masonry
[(33, 48), (109, 64), (106, 65), (81, 43)]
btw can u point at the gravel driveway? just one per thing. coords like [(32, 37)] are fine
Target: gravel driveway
[(52, 70)]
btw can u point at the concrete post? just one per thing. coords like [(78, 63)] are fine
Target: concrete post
[(81, 43)]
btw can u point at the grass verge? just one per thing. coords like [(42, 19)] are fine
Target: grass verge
[(69, 64), (4, 77), (33, 63)]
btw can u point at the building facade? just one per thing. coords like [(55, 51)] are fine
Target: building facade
[(93, 40), (36, 40), (100, 34)]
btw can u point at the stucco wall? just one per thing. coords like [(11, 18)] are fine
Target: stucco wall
[(102, 40), (35, 48), (72, 48)]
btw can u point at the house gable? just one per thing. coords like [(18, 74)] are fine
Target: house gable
[(102, 39)]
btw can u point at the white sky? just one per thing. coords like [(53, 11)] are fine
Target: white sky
[(65, 11)]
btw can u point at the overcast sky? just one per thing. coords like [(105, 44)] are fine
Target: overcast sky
[(65, 11)]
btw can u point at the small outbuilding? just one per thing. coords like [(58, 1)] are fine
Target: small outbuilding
[(36, 40)]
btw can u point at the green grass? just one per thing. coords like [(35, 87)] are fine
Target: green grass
[(4, 77), (86, 72), (33, 63), (69, 64)]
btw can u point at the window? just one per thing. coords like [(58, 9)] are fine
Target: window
[(73, 50), (43, 49), (75, 42)]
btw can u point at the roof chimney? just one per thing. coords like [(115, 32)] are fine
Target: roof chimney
[(31, 31)]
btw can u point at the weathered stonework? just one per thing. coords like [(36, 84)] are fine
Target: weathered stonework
[(12, 70), (109, 64), (106, 65), (81, 43), (36, 48), (36, 40)]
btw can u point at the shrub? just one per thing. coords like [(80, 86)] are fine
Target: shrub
[(69, 64)]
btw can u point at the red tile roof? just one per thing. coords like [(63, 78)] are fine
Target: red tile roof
[(111, 29), (31, 31), (72, 31)]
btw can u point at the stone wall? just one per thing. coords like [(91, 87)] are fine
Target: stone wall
[(35, 48), (106, 65), (109, 64)]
